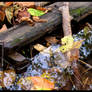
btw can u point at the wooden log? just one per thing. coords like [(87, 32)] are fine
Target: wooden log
[(23, 33)]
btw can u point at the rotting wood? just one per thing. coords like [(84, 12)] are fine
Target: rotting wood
[(26, 34), (18, 61), (67, 31)]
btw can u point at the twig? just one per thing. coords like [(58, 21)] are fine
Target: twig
[(88, 65)]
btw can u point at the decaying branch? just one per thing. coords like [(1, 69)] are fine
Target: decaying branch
[(67, 31)]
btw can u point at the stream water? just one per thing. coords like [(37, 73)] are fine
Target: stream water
[(43, 63)]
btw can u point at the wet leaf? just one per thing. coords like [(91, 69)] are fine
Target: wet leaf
[(40, 8), (2, 16), (75, 55), (2, 13), (37, 19), (35, 83), (4, 28), (51, 40), (77, 44), (8, 3), (39, 47), (35, 12), (46, 75), (2, 4), (1, 78), (67, 40), (86, 29), (9, 13), (25, 4), (68, 44), (7, 77), (22, 15)]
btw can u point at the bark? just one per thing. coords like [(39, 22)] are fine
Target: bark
[(23, 33)]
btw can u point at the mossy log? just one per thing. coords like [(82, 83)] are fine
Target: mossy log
[(23, 33)]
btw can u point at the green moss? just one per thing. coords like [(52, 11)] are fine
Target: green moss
[(77, 11), (16, 41)]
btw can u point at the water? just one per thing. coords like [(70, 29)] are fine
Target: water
[(44, 63)]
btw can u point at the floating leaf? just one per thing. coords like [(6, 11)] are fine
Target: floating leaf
[(35, 12), (35, 83), (9, 13)]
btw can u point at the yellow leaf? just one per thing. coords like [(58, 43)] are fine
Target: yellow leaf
[(77, 44), (67, 43), (67, 40)]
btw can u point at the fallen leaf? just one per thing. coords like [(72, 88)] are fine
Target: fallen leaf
[(2, 13), (39, 47), (1, 78), (75, 55), (77, 44), (35, 12), (2, 4), (8, 3), (51, 40), (4, 28), (35, 83), (9, 13), (25, 4), (37, 19), (40, 8), (69, 44), (86, 30), (7, 77)]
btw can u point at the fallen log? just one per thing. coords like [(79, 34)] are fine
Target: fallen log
[(23, 33)]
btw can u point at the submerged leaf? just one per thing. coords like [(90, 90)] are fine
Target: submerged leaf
[(35, 12), (35, 83), (7, 77), (86, 29)]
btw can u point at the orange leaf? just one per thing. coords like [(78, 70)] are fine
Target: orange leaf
[(42, 83), (40, 8), (4, 28), (8, 3), (38, 83), (26, 4)]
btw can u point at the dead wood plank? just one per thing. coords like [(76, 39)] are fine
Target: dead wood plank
[(22, 34)]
